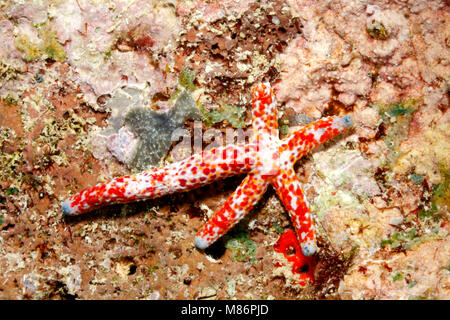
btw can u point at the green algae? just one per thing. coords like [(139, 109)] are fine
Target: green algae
[(187, 78), (428, 213), (52, 47), (441, 191), (229, 113), (9, 162), (417, 178), (242, 249), (278, 229), (47, 48), (400, 239), (238, 241), (12, 191), (9, 100), (152, 269), (284, 129), (427, 227), (397, 277), (377, 30), (408, 239), (439, 202), (32, 50), (397, 117)]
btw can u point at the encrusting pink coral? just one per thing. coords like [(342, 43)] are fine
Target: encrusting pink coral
[(266, 159)]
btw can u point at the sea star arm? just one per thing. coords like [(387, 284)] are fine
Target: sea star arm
[(302, 141), (264, 123), (291, 194), (198, 170), (265, 135), (232, 210), (264, 110)]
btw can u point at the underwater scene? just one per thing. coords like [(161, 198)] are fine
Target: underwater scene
[(222, 150)]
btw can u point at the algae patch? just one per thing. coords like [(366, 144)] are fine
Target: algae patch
[(47, 48), (238, 241), (397, 277), (377, 30), (441, 192), (417, 178), (187, 78), (232, 114), (397, 117), (440, 199), (229, 113), (409, 239), (402, 239)]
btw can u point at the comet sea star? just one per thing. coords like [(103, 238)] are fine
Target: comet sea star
[(266, 159)]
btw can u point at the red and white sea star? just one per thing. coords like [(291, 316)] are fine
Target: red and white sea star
[(266, 159)]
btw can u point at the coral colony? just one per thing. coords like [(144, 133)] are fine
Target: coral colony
[(266, 159)]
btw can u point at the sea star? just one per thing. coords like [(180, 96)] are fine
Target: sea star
[(266, 159)]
